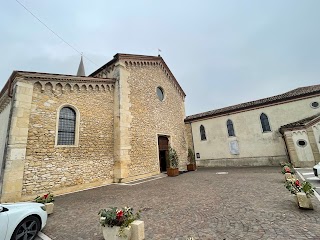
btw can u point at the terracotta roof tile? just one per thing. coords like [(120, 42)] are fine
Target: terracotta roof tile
[(300, 123), (293, 94)]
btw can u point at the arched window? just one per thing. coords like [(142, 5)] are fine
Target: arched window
[(67, 126), (203, 133), (265, 123), (230, 128)]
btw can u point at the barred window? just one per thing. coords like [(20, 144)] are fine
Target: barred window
[(265, 123), (230, 128), (67, 126), (203, 133)]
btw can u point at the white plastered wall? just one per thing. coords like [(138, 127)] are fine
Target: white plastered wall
[(255, 147), (316, 133), (4, 119), (304, 153)]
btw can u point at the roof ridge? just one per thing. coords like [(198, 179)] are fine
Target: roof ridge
[(259, 102)]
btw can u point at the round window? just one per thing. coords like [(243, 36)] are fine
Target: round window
[(160, 93), (315, 104), (301, 143)]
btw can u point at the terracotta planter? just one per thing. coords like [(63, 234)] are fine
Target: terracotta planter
[(49, 207), (191, 167), (172, 172), (111, 233), (303, 201)]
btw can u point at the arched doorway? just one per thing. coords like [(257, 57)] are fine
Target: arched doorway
[(163, 143)]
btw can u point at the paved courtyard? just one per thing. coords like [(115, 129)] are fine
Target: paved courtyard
[(246, 203)]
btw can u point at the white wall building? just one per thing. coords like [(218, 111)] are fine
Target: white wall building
[(248, 134)]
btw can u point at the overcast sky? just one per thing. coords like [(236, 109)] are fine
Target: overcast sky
[(221, 52)]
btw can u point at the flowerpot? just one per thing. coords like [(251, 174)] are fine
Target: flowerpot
[(288, 176), (172, 172), (49, 207), (303, 201), (191, 167), (112, 233)]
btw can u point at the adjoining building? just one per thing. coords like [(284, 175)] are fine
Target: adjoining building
[(259, 132), (64, 133)]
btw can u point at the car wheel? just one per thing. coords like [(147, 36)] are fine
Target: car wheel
[(27, 229)]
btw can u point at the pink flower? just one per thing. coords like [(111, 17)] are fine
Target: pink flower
[(297, 183)]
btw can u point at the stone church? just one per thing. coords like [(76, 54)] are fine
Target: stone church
[(63, 133)]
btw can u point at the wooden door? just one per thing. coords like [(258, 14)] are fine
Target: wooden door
[(163, 143)]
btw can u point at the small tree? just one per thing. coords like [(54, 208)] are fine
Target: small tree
[(191, 158), (173, 158)]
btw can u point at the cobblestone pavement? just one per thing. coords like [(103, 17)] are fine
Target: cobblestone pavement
[(246, 203)]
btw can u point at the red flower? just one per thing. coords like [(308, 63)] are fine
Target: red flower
[(45, 196), (297, 183), (288, 170), (119, 214)]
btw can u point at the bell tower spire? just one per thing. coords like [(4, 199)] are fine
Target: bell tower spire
[(81, 72)]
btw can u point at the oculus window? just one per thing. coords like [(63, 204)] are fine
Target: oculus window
[(160, 93), (301, 143), (67, 126), (230, 128), (314, 104), (265, 123), (203, 133)]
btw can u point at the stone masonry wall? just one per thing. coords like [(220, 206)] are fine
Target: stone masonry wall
[(151, 117), (60, 169)]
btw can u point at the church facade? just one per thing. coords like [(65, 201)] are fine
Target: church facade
[(264, 132), (63, 133)]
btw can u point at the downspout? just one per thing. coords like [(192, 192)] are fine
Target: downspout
[(12, 95)]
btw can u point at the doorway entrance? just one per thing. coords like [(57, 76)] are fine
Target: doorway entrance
[(163, 143)]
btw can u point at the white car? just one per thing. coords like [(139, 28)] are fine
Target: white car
[(316, 170), (21, 220)]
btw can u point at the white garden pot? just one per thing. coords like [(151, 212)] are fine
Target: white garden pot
[(49, 207), (111, 233), (288, 177), (303, 201)]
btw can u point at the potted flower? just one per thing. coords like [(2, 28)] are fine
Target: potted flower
[(115, 222), (47, 200), (288, 170), (303, 192), (192, 161), (173, 169)]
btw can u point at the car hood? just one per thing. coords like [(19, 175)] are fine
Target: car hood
[(21, 205)]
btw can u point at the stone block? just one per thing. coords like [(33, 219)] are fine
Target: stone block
[(137, 230), (288, 176), (23, 98), (303, 201), (16, 153)]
